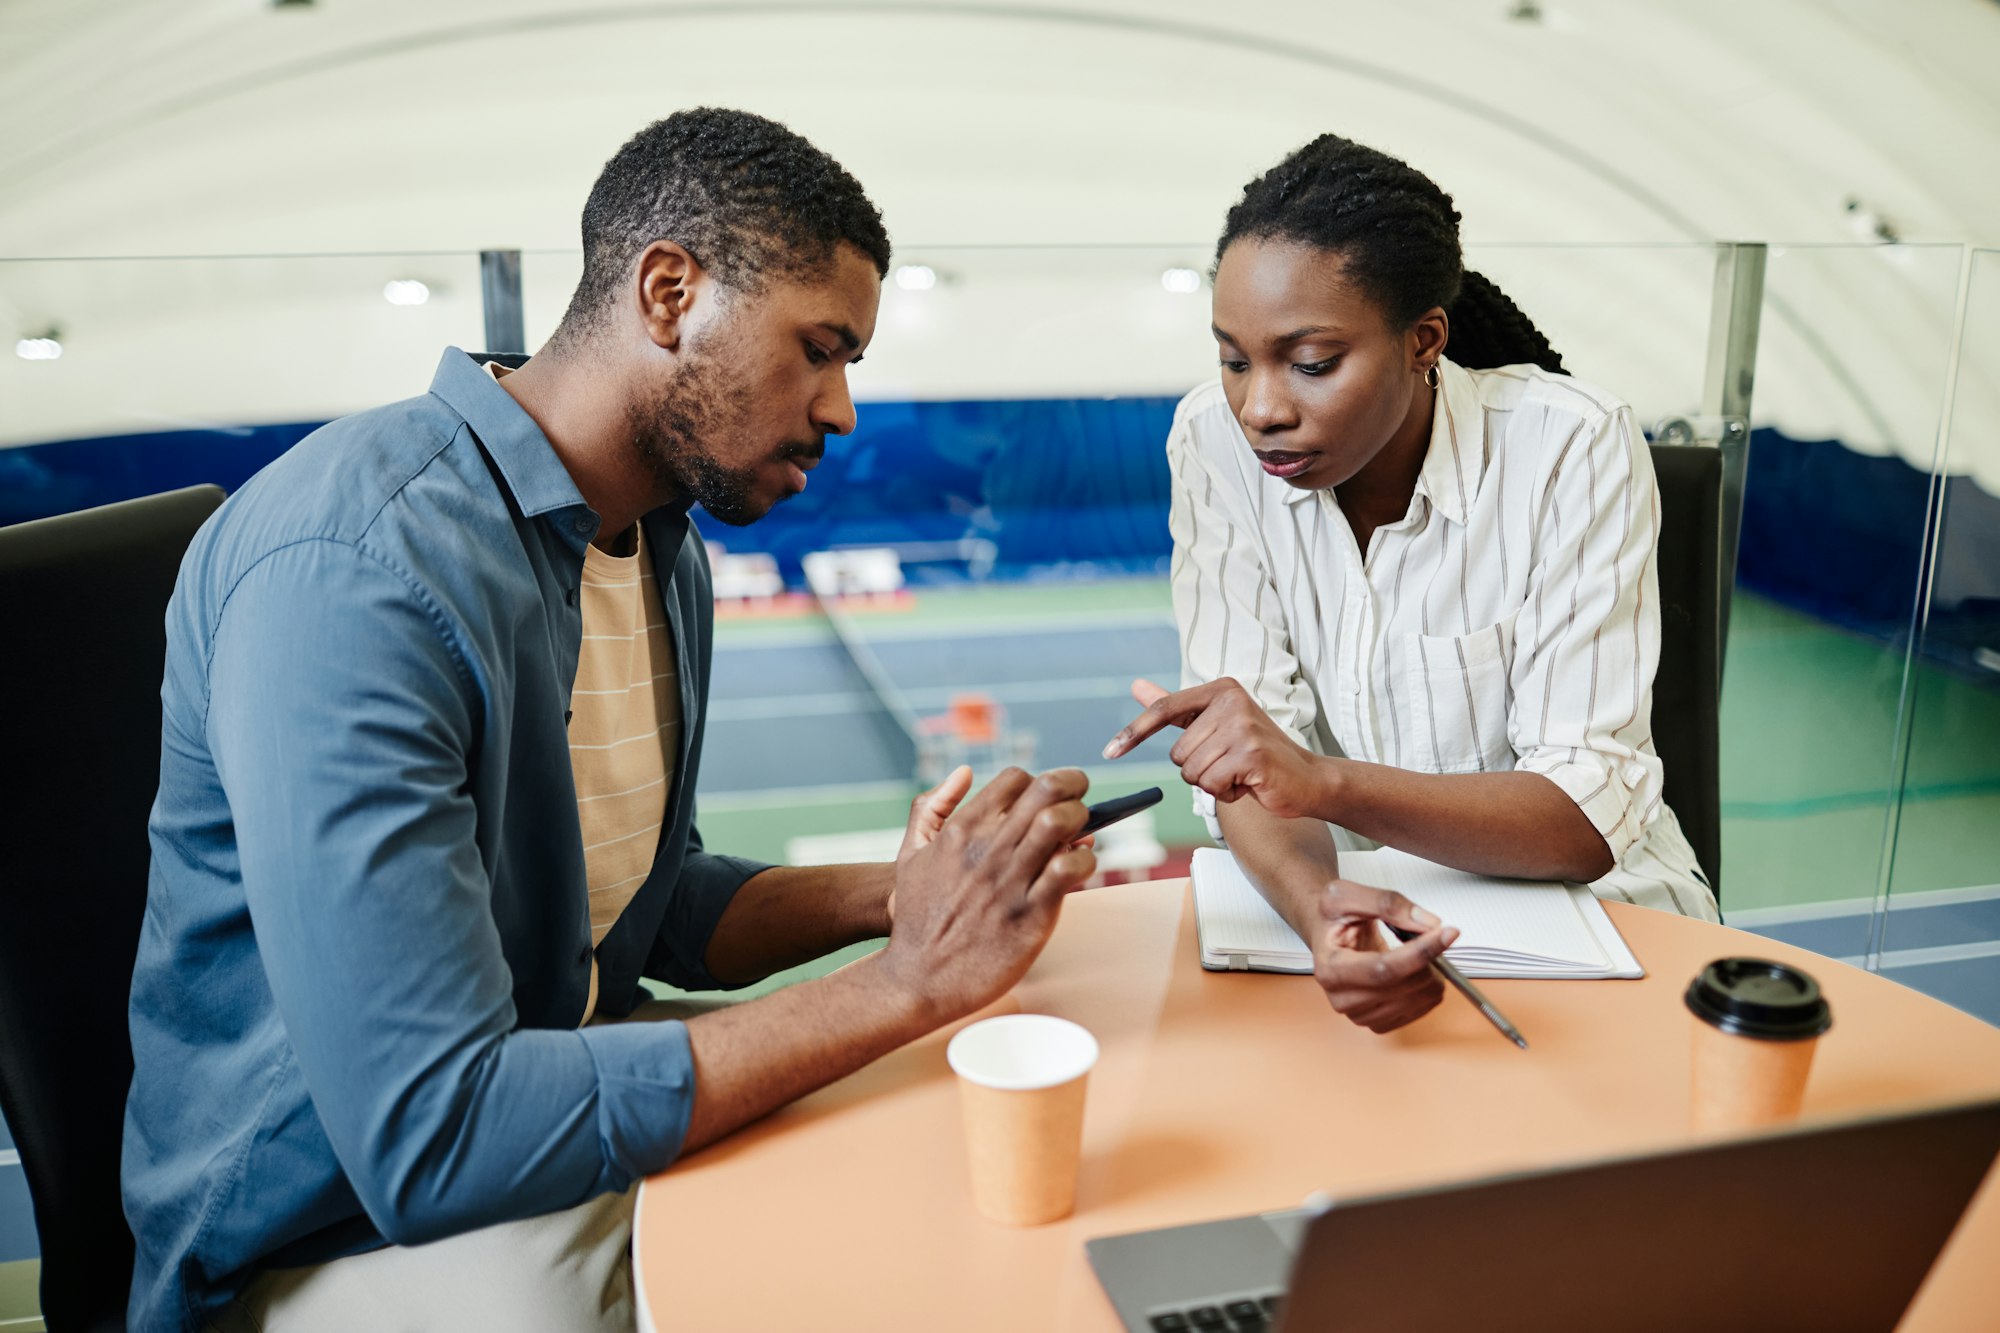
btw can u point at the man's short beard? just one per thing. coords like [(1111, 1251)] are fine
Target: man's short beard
[(673, 433)]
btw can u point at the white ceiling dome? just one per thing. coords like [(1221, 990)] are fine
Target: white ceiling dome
[(239, 127)]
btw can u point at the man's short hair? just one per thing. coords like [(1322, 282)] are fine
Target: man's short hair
[(748, 198)]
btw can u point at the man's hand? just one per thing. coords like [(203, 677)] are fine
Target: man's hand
[(977, 897), (1376, 986), (978, 885), (1231, 748), (928, 813)]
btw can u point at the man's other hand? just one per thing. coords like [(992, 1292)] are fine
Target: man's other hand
[(977, 896), (927, 815)]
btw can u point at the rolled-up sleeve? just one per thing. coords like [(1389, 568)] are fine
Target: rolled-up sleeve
[(1587, 640), (708, 881), (1228, 610), (341, 716)]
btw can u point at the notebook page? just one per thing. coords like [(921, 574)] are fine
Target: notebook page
[(1623, 962), (1500, 920), (1237, 926), (1234, 918)]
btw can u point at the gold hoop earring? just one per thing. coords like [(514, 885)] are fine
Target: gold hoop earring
[(1431, 378)]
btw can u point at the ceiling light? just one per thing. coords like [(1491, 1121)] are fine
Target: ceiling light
[(405, 291), (45, 348), (1181, 281), (1868, 222), (916, 277)]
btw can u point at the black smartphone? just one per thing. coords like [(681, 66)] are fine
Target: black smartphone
[(1115, 809)]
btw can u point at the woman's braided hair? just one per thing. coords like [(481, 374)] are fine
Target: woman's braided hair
[(1397, 234)]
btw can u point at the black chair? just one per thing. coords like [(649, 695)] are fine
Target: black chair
[(1687, 693), (85, 597)]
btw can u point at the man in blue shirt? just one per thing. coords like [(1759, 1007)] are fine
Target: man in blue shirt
[(368, 942)]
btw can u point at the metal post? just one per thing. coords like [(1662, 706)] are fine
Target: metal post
[(1731, 376), (500, 292)]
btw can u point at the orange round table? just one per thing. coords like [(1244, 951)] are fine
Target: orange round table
[(1219, 1094)]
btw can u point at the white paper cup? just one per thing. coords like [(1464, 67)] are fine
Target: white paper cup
[(1021, 1082)]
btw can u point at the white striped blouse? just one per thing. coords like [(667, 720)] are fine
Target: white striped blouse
[(1510, 620)]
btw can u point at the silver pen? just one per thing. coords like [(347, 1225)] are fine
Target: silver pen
[(1450, 972)]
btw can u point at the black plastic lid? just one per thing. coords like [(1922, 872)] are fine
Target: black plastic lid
[(1754, 997)]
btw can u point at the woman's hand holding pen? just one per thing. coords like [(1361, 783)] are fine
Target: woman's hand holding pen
[(1365, 981), (1229, 747)]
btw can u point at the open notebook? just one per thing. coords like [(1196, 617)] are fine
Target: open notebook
[(1507, 927)]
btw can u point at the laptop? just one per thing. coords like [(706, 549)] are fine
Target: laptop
[(1827, 1227)]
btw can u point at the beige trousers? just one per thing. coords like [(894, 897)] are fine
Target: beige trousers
[(564, 1271), (550, 1274)]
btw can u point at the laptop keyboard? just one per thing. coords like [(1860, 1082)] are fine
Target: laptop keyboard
[(1226, 1317)]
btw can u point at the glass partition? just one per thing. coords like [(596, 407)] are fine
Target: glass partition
[(1942, 930), (1851, 364)]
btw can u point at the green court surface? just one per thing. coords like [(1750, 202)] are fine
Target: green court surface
[(19, 1283), (1810, 774)]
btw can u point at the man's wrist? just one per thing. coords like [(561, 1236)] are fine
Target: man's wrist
[(868, 889), (901, 997)]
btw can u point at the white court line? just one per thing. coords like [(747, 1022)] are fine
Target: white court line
[(1898, 902), (855, 701), (776, 798), (1068, 622), (797, 705), (1065, 622), (10, 1157), (1943, 953)]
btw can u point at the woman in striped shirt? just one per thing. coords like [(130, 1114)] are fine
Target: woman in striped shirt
[(1414, 576)]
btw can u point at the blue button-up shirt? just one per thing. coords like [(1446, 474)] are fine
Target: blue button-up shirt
[(367, 938)]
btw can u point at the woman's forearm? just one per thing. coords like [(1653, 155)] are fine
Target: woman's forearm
[(1291, 861), (1514, 824)]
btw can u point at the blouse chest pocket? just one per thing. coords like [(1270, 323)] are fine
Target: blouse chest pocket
[(1459, 698)]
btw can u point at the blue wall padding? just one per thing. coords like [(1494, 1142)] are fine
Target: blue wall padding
[(1840, 536), (42, 479), (1832, 532), (1047, 481)]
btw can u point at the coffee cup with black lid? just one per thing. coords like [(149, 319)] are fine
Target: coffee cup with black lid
[(1756, 1026)]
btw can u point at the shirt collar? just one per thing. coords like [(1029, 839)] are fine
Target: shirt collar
[(527, 461), (1456, 457)]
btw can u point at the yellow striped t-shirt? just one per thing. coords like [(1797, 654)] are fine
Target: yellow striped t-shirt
[(624, 729)]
